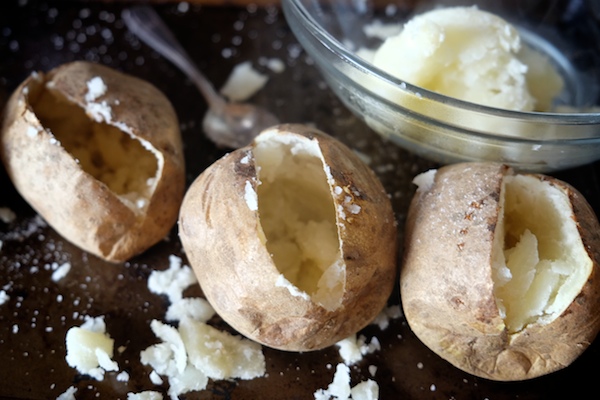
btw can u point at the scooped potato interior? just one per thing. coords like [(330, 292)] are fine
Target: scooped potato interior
[(298, 218), (540, 262), (107, 153)]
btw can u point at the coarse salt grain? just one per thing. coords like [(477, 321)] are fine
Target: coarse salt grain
[(61, 271), (250, 196), (4, 297), (32, 131), (372, 370)]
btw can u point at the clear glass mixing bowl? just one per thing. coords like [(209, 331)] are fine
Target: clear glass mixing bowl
[(446, 129)]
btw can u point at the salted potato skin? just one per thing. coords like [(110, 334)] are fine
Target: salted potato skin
[(220, 235), (81, 208), (446, 280)]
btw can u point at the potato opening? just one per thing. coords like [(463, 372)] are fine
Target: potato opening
[(107, 153), (540, 263), (298, 217)]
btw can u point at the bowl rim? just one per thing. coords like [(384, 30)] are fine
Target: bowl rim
[(348, 57)]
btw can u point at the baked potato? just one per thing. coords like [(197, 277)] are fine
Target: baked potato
[(292, 238), (500, 270), (98, 154)]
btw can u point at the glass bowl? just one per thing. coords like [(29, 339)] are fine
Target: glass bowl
[(445, 129)]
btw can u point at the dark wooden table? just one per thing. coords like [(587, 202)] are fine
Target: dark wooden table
[(33, 322)]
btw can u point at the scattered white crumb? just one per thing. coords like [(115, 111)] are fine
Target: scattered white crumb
[(353, 348), (68, 394), (388, 313), (147, 395), (425, 180), (196, 308), (195, 352), (192, 352), (173, 281), (4, 297), (243, 82), (61, 271), (7, 215), (96, 88), (250, 196), (123, 376), (367, 390), (340, 388), (89, 348)]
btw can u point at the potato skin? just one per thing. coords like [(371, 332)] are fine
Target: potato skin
[(446, 284), (82, 209), (220, 235)]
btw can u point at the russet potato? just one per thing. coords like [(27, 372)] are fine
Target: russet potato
[(500, 270), (292, 238), (98, 154)]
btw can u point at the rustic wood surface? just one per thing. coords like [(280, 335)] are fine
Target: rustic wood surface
[(39, 35)]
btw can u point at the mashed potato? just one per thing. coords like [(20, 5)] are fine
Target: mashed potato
[(472, 55)]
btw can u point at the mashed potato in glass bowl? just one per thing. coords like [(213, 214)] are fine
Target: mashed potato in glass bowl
[(464, 81)]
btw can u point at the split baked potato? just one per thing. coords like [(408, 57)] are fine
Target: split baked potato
[(292, 238), (98, 154), (500, 272)]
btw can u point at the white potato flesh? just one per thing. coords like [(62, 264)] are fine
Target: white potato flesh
[(124, 164), (540, 263), (87, 350), (298, 217), (219, 354)]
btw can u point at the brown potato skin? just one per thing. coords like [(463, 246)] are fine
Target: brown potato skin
[(219, 233), (82, 209), (446, 285)]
